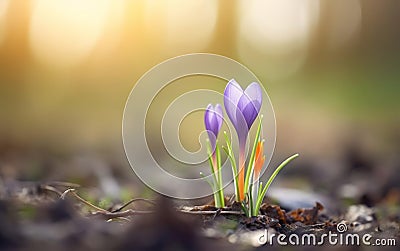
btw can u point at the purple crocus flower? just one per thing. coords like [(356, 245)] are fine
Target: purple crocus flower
[(242, 108), (213, 119)]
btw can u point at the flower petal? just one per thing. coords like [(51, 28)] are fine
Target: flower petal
[(259, 160), (254, 92), (207, 115), (250, 113), (219, 115), (213, 118), (233, 92), (250, 103), (208, 122), (241, 128)]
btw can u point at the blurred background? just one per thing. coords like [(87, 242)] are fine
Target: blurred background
[(331, 69)]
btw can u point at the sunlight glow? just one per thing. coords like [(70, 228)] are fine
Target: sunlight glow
[(277, 30), (64, 32), (184, 25), (277, 24), (3, 12)]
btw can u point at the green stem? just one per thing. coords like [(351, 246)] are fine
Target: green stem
[(232, 159), (245, 209), (216, 198), (220, 187), (250, 167), (251, 206), (215, 187), (274, 174)]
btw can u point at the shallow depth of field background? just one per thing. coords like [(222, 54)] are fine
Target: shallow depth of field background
[(331, 69)]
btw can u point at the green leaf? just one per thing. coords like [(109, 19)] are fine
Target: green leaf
[(250, 168), (220, 187), (271, 178), (246, 211), (232, 159), (217, 198)]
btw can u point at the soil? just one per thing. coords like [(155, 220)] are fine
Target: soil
[(54, 216), (107, 209)]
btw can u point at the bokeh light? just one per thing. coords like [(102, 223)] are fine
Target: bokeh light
[(3, 13), (63, 33), (68, 65), (172, 21), (274, 34)]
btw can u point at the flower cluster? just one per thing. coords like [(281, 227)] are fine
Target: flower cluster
[(243, 108)]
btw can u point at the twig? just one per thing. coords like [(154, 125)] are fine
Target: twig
[(51, 189), (72, 191), (129, 212), (63, 184), (126, 213), (231, 199), (218, 212), (132, 201), (120, 219), (212, 212)]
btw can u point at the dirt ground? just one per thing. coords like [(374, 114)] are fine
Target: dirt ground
[(42, 208)]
